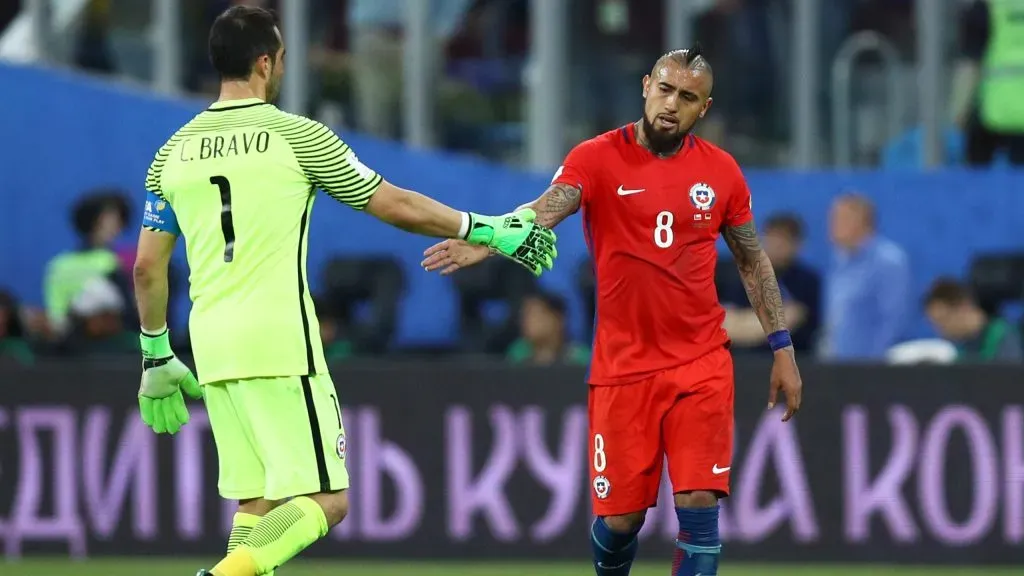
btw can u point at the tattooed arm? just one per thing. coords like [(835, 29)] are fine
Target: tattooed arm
[(758, 276), (557, 203)]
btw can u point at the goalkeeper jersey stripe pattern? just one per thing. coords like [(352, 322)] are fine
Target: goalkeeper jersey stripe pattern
[(240, 179)]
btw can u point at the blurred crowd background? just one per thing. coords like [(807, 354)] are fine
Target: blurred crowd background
[(878, 85), (863, 61)]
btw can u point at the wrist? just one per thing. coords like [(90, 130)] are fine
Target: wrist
[(464, 227), (780, 340), (156, 346), (481, 229), (153, 333)]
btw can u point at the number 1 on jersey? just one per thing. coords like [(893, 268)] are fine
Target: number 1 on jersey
[(227, 225)]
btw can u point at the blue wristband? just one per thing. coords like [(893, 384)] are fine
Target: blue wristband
[(779, 340)]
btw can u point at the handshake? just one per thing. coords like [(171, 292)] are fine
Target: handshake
[(514, 235)]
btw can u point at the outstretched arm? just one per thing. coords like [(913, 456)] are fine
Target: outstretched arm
[(557, 203), (330, 165), (513, 235), (414, 212), (333, 167), (758, 276)]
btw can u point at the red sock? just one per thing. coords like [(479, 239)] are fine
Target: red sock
[(677, 556)]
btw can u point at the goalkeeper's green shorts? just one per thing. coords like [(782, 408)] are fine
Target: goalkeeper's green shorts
[(277, 437)]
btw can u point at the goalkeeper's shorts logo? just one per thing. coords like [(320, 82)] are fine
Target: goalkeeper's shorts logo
[(340, 446), (602, 487)]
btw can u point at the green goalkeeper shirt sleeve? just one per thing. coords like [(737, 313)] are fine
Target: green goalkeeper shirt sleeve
[(330, 164)]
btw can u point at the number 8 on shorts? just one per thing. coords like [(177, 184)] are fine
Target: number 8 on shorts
[(602, 486)]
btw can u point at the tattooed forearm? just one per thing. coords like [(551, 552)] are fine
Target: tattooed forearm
[(556, 204), (758, 276)]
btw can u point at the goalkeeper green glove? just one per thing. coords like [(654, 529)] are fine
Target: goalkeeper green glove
[(515, 236), (163, 378)]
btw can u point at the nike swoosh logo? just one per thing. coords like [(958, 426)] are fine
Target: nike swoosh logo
[(716, 470), (624, 192)]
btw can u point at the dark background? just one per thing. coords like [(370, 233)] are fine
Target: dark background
[(91, 424)]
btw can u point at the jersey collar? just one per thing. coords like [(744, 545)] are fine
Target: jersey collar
[(235, 104)]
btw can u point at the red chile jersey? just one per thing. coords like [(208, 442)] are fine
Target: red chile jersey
[(651, 225)]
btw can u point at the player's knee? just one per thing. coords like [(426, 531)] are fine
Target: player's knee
[(625, 523), (696, 499), (258, 506), (334, 504)]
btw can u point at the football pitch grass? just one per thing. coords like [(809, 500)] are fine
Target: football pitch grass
[(159, 566)]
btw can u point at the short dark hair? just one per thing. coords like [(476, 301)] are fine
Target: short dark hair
[(788, 223), (947, 290), (553, 302), (690, 58), (87, 210), (238, 37)]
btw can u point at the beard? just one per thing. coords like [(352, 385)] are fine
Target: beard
[(273, 89), (661, 142), (274, 83)]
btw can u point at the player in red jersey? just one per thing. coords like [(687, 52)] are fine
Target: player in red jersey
[(655, 199)]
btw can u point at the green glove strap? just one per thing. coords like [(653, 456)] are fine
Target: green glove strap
[(481, 229), (155, 347)]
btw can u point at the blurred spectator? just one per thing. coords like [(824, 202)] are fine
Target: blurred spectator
[(99, 219), (96, 319), (893, 19), (783, 241), (9, 10), (751, 99), (92, 49), (867, 294), (13, 339), (490, 298), (127, 27), (362, 297), (957, 317), (376, 45), (336, 348), (989, 81), (544, 339), (801, 286)]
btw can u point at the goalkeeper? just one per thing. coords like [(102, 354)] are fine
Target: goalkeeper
[(238, 183)]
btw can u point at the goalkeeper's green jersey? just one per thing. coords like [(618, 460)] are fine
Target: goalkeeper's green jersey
[(238, 182)]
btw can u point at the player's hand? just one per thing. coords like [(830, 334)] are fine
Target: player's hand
[(786, 377), (452, 255), (164, 377), (516, 236)]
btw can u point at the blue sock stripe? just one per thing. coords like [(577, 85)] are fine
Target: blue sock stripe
[(596, 540), (613, 551), (698, 541), (690, 548)]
